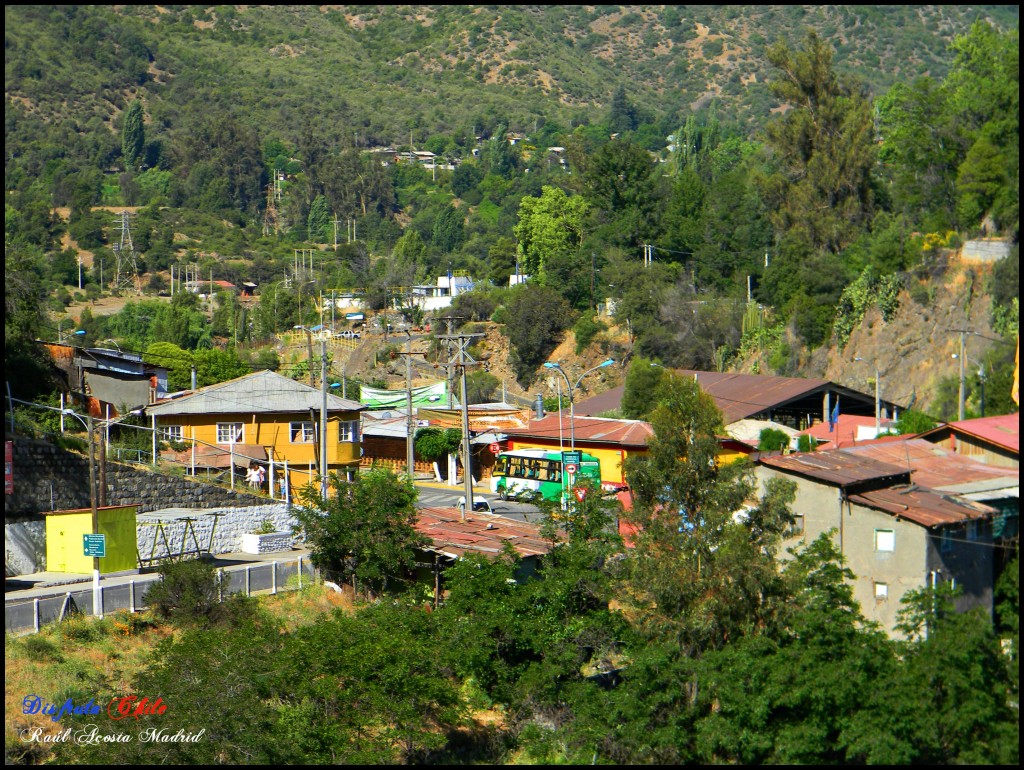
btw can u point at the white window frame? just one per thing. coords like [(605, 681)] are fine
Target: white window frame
[(305, 430), (230, 433), (885, 540), (172, 433), (881, 591), (348, 431)]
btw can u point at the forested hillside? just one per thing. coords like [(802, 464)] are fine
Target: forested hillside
[(786, 168)]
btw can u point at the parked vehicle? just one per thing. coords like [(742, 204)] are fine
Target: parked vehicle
[(538, 470), (479, 504)]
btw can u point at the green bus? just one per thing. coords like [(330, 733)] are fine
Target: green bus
[(539, 470)]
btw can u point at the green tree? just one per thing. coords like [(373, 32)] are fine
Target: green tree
[(622, 115), (618, 184), (702, 570), (449, 230), (823, 149), (319, 224), (535, 316), (133, 135), (642, 381), (549, 225), (366, 533), (772, 440)]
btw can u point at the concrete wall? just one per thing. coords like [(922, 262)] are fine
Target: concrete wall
[(895, 572)]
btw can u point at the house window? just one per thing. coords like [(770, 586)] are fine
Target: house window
[(348, 430), (974, 530), (229, 433), (797, 527), (172, 433), (885, 540), (946, 541), (302, 433), (881, 591)]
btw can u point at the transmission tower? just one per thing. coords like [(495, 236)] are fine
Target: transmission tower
[(127, 260)]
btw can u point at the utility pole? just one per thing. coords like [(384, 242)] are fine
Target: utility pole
[(323, 418), (460, 358), (963, 358), (95, 518), (410, 454)]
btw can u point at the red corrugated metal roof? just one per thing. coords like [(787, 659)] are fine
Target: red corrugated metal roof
[(923, 506), (478, 533), (588, 429), (1003, 430), (845, 433)]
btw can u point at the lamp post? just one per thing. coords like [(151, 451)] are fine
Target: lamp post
[(62, 337), (572, 390)]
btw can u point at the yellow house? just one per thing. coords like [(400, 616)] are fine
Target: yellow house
[(266, 419), (65, 545)]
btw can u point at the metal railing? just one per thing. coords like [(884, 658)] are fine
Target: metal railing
[(28, 616)]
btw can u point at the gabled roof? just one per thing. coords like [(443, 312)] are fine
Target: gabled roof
[(838, 468), (602, 430), (1003, 430), (263, 392), (741, 396)]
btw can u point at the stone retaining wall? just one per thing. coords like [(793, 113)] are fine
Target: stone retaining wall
[(47, 478)]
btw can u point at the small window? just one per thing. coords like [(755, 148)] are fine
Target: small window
[(302, 433), (797, 527), (974, 530), (348, 430), (885, 540), (881, 591), (171, 433), (946, 541), (229, 433)]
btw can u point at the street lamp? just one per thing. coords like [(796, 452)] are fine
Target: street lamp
[(572, 390), (878, 402)]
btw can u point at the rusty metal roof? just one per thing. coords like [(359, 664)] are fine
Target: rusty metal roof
[(837, 467), (740, 396), (482, 533), (937, 468), (923, 506), (603, 430)]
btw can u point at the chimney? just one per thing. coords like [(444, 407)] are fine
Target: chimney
[(538, 406)]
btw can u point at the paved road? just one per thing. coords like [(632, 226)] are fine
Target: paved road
[(439, 495)]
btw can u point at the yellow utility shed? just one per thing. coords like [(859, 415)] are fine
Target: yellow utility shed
[(65, 531)]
